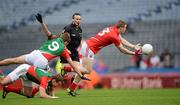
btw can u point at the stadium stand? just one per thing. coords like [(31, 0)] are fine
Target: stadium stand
[(21, 12), (105, 11)]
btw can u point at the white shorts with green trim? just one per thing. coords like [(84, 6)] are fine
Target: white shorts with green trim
[(36, 59)]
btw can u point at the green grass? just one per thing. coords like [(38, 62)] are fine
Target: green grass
[(102, 97)]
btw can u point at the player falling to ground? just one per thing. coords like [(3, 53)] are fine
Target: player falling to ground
[(30, 74), (52, 48), (109, 35)]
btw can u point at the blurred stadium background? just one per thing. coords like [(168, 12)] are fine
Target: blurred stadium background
[(150, 21)]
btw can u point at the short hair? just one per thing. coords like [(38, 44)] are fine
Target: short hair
[(76, 13), (65, 36), (120, 24)]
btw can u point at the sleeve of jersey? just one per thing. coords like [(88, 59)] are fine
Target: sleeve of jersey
[(65, 53), (44, 82)]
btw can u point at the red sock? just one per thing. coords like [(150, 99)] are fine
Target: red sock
[(13, 89), (73, 86), (34, 91), (67, 68)]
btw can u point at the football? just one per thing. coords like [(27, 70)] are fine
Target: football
[(147, 49)]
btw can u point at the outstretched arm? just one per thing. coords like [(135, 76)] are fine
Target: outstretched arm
[(43, 25), (130, 45), (124, 50)]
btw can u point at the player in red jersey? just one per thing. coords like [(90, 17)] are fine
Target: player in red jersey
[(30, 74), (109, 35)]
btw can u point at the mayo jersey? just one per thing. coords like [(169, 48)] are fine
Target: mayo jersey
[(104, 38), (54, 47), (39, 76)]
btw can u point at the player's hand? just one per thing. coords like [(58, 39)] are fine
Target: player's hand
[(85, 78), (39, 18), (138, 52), (137, 46)]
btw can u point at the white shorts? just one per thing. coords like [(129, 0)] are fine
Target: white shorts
[(36, 59), (19, 72), (85, 51)]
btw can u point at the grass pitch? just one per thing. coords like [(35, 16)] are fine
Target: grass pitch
[(102, 97)]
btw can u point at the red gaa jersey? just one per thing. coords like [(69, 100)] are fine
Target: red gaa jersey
[(104, 38)]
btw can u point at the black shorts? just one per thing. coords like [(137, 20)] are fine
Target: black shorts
[(74, 57)]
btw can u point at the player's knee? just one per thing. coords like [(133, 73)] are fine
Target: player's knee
[(88, 71), (2, 83)]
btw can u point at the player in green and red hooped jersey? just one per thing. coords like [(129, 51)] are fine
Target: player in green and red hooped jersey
[(30, 74), (53, 47)]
